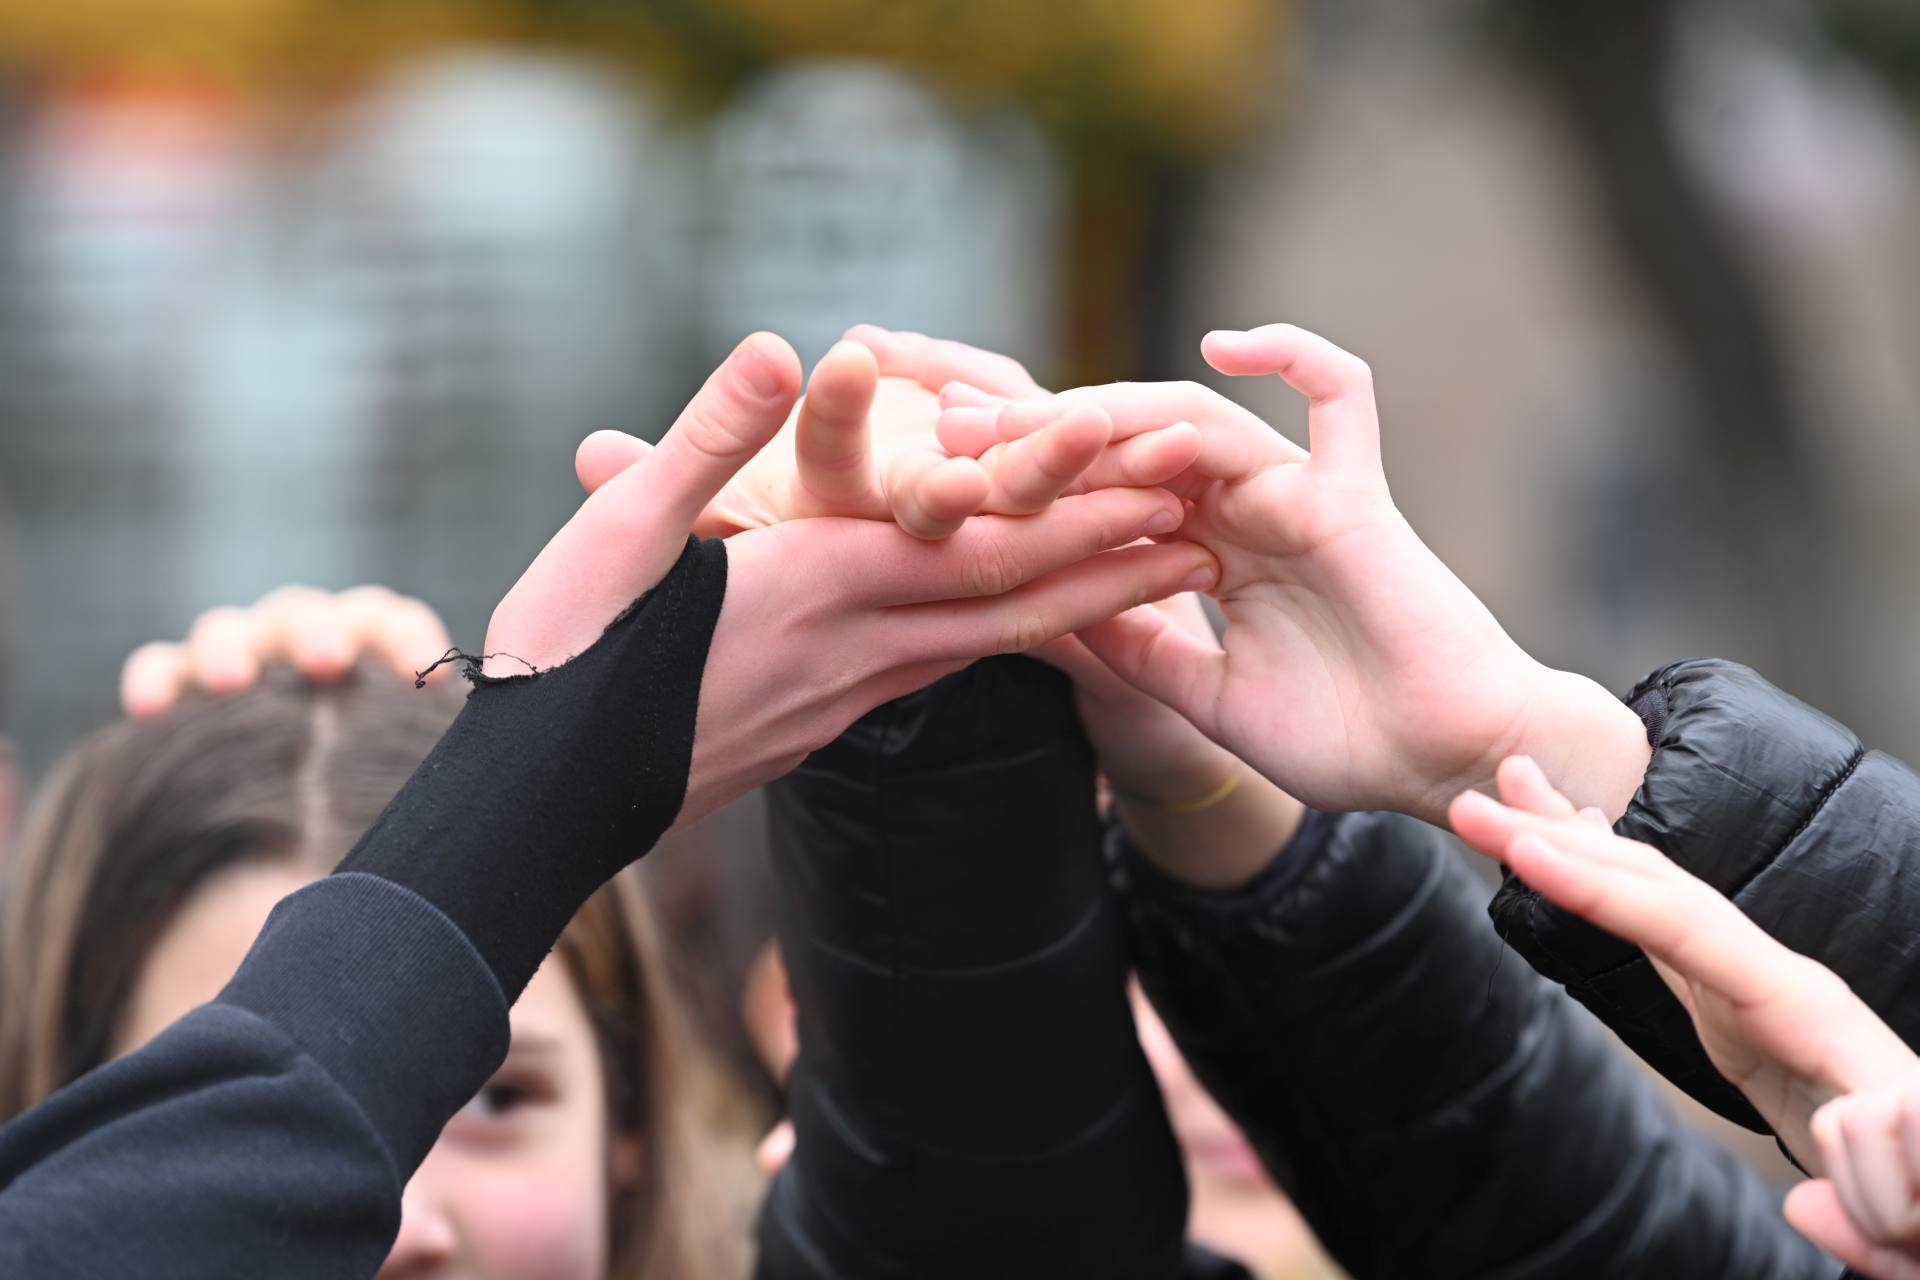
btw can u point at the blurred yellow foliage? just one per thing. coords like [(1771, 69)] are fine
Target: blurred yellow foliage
[(1176, 74), (1147, 75)]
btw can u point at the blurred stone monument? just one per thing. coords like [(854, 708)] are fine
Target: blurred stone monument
[(843, 192)]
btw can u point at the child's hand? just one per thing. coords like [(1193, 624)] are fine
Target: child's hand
[(1866, 1211), (321, 634), (1782, 1027), (863, 445), (1357, 671)]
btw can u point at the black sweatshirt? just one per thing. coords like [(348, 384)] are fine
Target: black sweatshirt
[(272, 1131)]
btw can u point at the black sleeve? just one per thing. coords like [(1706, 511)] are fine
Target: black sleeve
[(1433, 1109), (1783, 810), (971, 1098), (272, 1131)]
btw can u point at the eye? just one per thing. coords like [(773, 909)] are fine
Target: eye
[(497, 1100)]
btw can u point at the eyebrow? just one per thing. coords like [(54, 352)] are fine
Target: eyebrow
[(532, 1044)]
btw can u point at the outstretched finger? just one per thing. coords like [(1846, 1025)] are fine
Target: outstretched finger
[(831, 449), (1524, 787), (630, 530), (743, 404), (1343, 424), (1675, 919)]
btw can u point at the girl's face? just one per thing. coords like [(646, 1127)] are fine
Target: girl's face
[(517, 1185)]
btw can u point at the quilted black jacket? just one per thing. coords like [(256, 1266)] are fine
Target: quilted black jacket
[(1784, 811), (1433, 1107)]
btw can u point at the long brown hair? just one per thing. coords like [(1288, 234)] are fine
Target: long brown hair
[(143, 813)]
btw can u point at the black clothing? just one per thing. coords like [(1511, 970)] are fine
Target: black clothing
[(1431, 1109), (1783, 810), (548, 784), (272, 1131), (970, 1097)]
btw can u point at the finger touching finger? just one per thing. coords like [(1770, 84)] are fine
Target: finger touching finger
[(1031, 472), (991, 555), (1066, 600), (931, 495)]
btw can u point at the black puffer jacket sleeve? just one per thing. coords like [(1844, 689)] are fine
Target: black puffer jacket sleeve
[(1784, 811), (970, 1097), (1431, 1109)]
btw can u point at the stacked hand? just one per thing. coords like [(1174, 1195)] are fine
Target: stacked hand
[(828, 615), (1833, 1080), (858, 570), (1357, 671)]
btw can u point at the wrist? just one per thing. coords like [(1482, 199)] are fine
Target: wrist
[(1592, 746), (1176, 777), (1222, 845)]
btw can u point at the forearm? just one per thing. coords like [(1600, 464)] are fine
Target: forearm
[(1427, 1107), (1780, 809), (1219, 837), (970, 1097), (272, 1131)]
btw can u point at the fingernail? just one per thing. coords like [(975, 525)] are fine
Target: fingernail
[(756, 372), (1477, 800), (1164, 522), (1203, 578)]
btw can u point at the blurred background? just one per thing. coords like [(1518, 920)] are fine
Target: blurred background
[(327, 292)]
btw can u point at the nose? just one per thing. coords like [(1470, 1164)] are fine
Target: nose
[(427, 1237)]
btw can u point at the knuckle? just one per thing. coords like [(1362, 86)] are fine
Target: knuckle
[(710, 428), (1021, 632), (991, 568)]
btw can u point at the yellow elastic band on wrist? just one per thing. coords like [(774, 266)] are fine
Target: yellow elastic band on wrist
[(1197, 805)]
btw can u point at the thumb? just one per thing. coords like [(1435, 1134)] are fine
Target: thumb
[(632, 528), (742, 406)]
